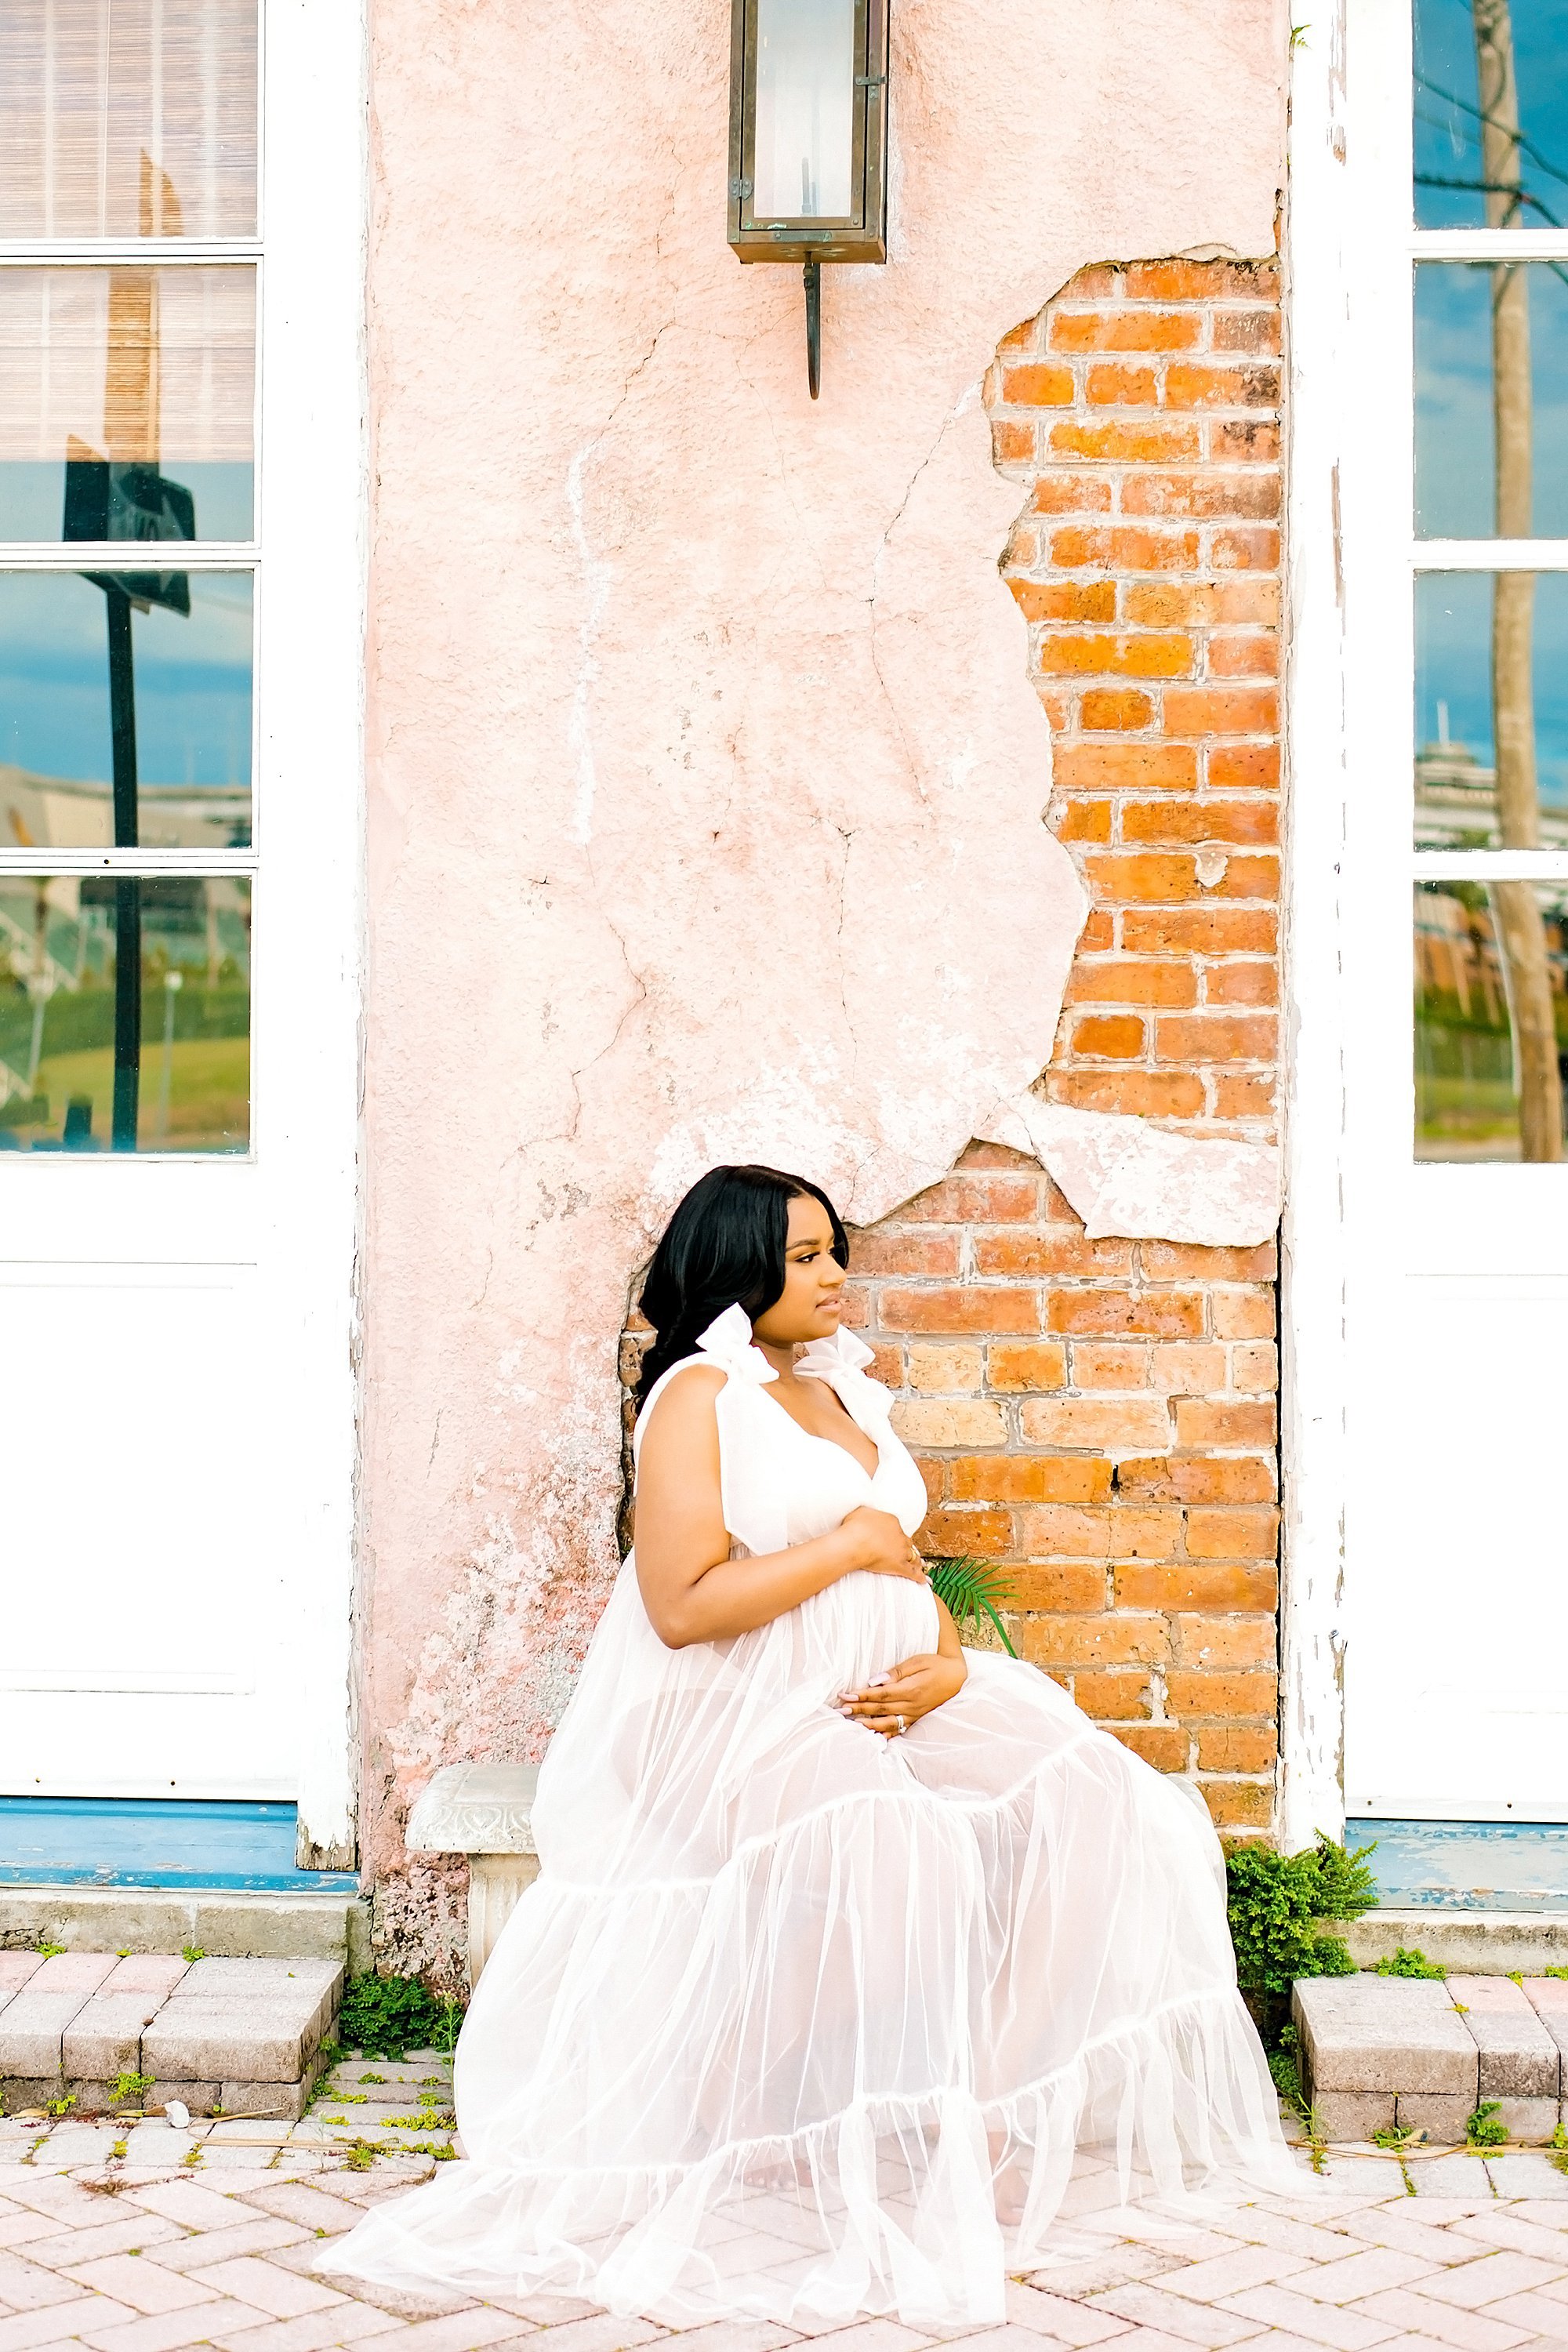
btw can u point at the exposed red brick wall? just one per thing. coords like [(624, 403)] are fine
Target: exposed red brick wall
[(1101, 1416)]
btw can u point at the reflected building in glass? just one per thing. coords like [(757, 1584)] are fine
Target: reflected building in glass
[(1456, 799)]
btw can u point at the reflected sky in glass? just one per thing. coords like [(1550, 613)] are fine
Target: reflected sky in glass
[(33, 498), (1453, 671), (193, 677), (1448, 143), (1454, 489)]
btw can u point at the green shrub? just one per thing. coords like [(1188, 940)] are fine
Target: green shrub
[(1284, 2064), (1278, 1903), (385, 2017), (1409, 1964), (1483, 2129)]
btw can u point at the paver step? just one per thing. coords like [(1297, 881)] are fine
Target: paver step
[(229, 1923), (1422, 2055), (393, 2107), (405, 2121), (1470, 1941), (126, 2034)]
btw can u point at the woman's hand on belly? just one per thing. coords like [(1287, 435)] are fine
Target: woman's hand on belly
[(894, 1701)]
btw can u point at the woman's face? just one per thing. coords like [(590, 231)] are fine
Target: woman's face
[(811, 1300)]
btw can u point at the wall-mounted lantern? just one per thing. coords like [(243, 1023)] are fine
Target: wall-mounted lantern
[(808, 140)]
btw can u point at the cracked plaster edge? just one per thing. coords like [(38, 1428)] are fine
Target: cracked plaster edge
[(1119, 1171), (1130, 1181)]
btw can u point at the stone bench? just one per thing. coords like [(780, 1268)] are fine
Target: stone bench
[(486, 1812), (1419, 2053)]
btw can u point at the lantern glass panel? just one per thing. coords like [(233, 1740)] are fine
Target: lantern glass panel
[(804, 138)]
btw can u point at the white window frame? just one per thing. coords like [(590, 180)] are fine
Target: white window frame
[(1353, 558)]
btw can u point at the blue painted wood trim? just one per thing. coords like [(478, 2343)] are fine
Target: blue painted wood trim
[(1466, 1866), (155, 1842)]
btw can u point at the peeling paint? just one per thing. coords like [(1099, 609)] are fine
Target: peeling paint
[(705, 775)]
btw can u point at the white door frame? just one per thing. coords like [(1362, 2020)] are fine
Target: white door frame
[(1365, 1247), (315, 503), (1313, 1365), (289, 1209)]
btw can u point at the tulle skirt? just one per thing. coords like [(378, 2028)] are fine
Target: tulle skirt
[(798, 2023)]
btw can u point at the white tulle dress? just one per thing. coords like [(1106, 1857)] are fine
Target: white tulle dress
[(798, 2023)]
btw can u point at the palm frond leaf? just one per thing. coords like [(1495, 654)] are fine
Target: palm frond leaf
[(970, 1588)]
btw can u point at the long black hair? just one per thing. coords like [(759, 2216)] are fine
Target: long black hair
[(724, 1246)]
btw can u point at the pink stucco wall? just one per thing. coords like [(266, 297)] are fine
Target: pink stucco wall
[(705, 778)]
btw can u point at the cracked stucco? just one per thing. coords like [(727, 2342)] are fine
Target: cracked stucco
[(705, 778)]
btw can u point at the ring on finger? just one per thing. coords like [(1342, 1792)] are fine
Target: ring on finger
[(902, 1725)]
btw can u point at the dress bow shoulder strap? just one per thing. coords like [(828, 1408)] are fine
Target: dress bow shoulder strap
[(750, 1480), (841, 1361), (728, 1343)]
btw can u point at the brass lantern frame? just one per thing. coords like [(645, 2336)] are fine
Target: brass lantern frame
[(861, 234)]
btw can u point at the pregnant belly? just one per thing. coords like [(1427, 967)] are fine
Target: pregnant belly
[(863, 1625)]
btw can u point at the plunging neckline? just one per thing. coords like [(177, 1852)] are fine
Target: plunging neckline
[(817, 1439)]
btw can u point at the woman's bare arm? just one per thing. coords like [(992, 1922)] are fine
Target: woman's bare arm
[(692, 1589)]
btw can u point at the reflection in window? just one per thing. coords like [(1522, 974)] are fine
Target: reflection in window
[(1491, 1019), (97, 1054), (171, 652), (1486, 637), (1491, 348), (1491, 113), (150, 373), (128, 118)]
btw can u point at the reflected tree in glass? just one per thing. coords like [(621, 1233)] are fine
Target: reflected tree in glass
[(1468, 1103), (1450, 112), (1522, 934)]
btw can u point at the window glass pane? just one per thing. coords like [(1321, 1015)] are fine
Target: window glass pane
[(806, 109), (166, 654), (128, 118), (99, 1055), (1491, 113), (1491, 1020), (144, 383), (1472, 628), (1492, 373)]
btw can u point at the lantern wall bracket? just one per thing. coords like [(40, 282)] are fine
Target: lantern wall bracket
[(843, 189), (813, 276)]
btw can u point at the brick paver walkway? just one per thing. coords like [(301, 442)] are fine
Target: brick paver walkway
[(194, 2240)]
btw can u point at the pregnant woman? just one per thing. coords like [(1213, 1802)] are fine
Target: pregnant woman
[(846, 1941)]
